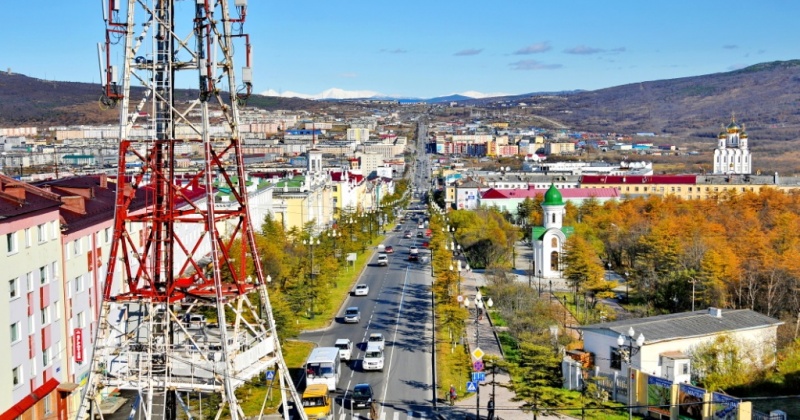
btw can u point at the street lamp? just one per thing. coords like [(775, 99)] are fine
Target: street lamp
[(334, 235), (627, 288), (626, 354), (311, 243), (540, 283), (478, 311)]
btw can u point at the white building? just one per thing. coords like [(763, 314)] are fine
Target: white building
[(732, 155), (669, 340)]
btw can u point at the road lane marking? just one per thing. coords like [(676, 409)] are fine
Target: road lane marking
[(394, 337)]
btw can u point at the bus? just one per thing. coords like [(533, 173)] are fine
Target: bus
[(322, 367)]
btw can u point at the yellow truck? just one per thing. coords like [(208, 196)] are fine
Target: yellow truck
[(316, 403)]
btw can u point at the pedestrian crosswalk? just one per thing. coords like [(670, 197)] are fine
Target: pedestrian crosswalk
[(386, 415)]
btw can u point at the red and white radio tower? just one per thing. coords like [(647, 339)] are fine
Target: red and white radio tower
[(185, 308)]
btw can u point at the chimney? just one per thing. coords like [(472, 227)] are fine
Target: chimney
[(75, 203), (16, 191), (715, 312), (104, 181)]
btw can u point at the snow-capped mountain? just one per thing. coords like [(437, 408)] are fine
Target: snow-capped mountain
[(336, 93)]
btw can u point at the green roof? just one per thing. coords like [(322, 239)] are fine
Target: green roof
[(553, 197), (537, 232)]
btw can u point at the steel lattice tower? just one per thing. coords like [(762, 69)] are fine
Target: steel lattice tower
[(178, 255)]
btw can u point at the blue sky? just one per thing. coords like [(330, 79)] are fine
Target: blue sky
[(426, 48)]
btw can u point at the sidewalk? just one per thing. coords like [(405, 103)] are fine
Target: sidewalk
[(481, 333)]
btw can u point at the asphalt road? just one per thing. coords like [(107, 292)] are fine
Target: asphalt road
[(399, 306)]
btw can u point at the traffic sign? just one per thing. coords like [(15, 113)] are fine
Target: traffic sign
[(460, 298), (477, 365), (270, 375), (478, 353), (472, 387), (478, 377)]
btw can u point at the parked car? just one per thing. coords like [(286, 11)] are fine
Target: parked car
[(361, 290), (352, 315), (376, 339)]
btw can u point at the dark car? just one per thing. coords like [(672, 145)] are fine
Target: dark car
[(362, 396)]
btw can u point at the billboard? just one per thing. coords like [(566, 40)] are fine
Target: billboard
[(724, 407), (658, 395), (690, 402)]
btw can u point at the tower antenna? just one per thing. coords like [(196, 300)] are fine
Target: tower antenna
[(185, 308)]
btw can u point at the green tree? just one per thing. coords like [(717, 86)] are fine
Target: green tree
[(583, 270)]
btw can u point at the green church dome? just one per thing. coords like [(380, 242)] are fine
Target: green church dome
[(553, 197)]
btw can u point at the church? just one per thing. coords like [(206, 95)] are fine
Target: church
[(732, 155), (548, 240)]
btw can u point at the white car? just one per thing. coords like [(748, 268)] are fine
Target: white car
[(376, 339), (361, 290), (345, 347), (383, 260)]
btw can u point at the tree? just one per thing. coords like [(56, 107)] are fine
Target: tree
[(535, 375), (724, 363), (583, 266)]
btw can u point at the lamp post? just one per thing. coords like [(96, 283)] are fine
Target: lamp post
[(478, 309), (311, 242), (540, 283), (626, 353), (627, 288), (334, 235)]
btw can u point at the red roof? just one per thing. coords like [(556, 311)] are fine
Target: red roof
[(639, 179), (567, 193), (29, 401)]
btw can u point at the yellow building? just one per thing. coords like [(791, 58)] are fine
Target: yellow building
[(688, 187)]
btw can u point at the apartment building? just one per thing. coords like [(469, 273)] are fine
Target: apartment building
[(33, 352)]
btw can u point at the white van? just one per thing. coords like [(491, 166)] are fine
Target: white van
[(345, 347), (322, 367), (373, 358)]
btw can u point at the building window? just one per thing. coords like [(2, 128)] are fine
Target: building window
[(82, 319), (29, 281), (78, 284), (33, 368), (76, 247), (11, 242), (684, 368), (15, 336), (107, 233), (28, 240), (13, 288), (616, 358), (46, 357), (54, 270), (54, 229), (45, 315), (43, 275), (16, 376), (31, 324), (41, 233), (57, 310)]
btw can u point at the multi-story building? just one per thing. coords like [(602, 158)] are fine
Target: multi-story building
[(33, 352)]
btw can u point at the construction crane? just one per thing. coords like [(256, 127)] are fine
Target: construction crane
[(185, 309)]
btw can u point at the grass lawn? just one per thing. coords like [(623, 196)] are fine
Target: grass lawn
[(344, 283)]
